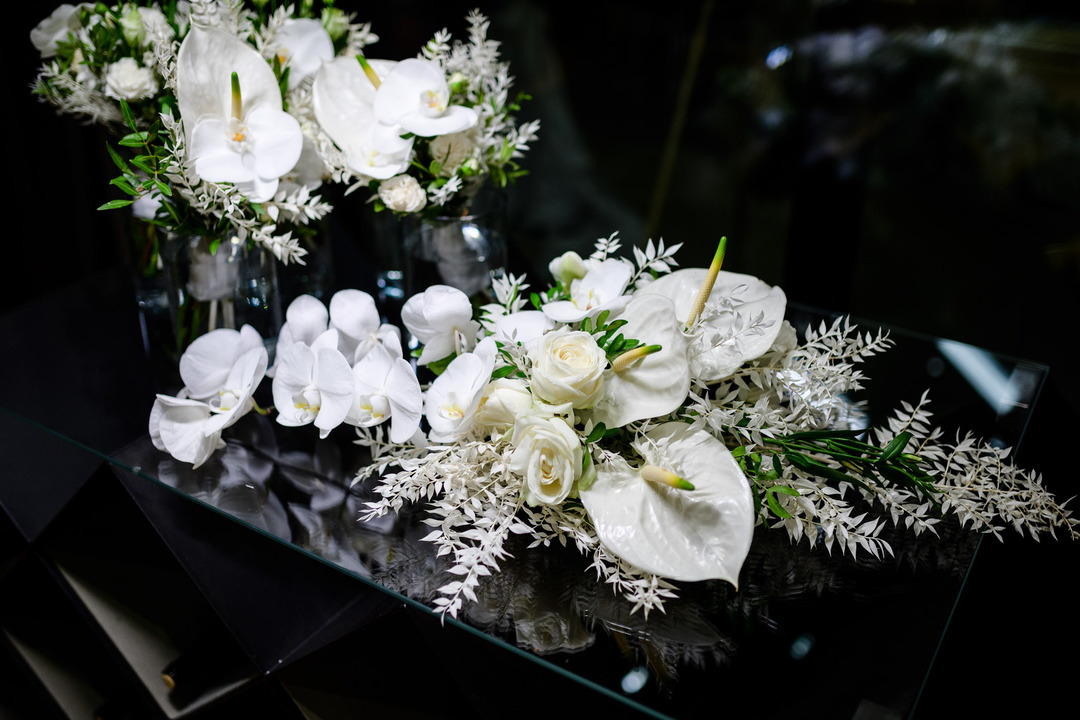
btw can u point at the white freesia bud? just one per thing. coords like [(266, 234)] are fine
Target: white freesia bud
[(548, 453), (503, 401), (568, 366), (131, 25), (567, 267), (125, 80), (402, 193)]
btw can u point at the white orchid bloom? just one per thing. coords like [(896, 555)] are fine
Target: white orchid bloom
[(234, 399), (313, 384), (450, 404), (343, 98), (178, 426), (302, 45), (386, 388), (206, 365), (440, 318), (687, 515), (360, 329), (415, 96), (525, 327), (602, 288), (719, 348), (231, 106), (644, 384)]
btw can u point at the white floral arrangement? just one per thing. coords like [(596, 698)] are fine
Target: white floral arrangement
[(424, 133), (650, 416), (214, 99)]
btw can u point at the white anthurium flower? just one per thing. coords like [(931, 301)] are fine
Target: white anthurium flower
[(387, 388), (178, 426), (603, 287), (440, 318), (682, 534), (719, 348), (234, 398), (302, 45), (206, 365), (654, 384), (64, 20), (354, 315), (343, 98), (451, 402), (231, 104), (548, 454), (415, 96), (313, 384)]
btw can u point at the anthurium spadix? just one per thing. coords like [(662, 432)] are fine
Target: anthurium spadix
[(684, 534), (743, 318), (414, 95), (343, 97), (646, 383), (230, 104)]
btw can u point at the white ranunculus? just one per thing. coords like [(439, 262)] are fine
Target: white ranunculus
[(503, 401), (548, 453), (568, 366), (125, 80), (55, 28), (452, 151), (402, 193)]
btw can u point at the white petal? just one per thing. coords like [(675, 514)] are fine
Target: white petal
[(400, 93), (655, 385), (276, 141), (457, 118), (686, 535), (755, 298), (353, 312), (181, 430), (406, 401), (334, 379), (306, 318)]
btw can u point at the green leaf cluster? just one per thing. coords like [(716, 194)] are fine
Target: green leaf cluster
[(607, 335)]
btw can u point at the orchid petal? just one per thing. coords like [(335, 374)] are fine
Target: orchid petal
[(334, 379), (686, 535), (305, 44), (180, 428), (454, 119), (276, 141), (205, 365), (306, 318), (406, 401)]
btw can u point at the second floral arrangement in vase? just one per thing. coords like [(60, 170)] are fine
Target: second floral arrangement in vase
[(432, 140)]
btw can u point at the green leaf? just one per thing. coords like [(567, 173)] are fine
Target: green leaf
[(129, 117), (163, 188), (117, 159), (895, 447), (774, 506), (134, 139), (124, 187), (504, 371), (597, 433), (114, 204)]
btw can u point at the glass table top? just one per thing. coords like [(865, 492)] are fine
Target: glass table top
[(803, 623)]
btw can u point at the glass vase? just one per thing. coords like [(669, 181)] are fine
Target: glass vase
[(461, 250), (220, 282)]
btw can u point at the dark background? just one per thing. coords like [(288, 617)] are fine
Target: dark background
[(916, 163)]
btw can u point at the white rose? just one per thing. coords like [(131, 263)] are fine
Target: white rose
[(53, 29), (503, 401), (568, 367), (452, 151), (402, 193), (548, 453), (125, 80)]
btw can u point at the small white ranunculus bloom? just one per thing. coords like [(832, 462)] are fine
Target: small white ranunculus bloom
[(548, 453), (503, 401), (125, 80), (453, 151), (568, 367), (402, 193), (55, 28)]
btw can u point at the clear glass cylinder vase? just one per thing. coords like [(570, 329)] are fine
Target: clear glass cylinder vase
[(220, 282), (461, 251)]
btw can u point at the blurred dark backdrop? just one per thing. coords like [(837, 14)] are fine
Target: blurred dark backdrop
[(913, 162)]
